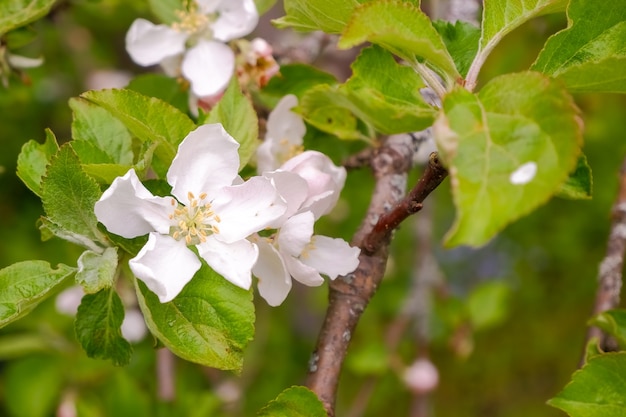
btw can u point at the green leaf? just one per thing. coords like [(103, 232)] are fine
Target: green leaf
[(97, 126), (612, 322), (16, 13), (382, 93), (293, 79), (162, 87), (49, 229), (403, 29), (23, 285), (20, 37), (488, 304), (578, 185), (210, 322), (461, 40), (294, 402), (98, 322), (34, 159), (151, 120), (326, 108), (32, 386), (329, 16), (264, 5), (165, 10), (387, 95), (106, 173), (596, 390), (69, 196), (592, 349), (490, 141), (236, 113), (96, 271), (590, 55), (501, 17)]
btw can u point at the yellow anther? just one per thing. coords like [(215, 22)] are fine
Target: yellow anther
[(194, 222)]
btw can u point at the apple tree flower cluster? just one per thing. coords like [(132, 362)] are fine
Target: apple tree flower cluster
[(195, 46), (228, 221), (311, 184)]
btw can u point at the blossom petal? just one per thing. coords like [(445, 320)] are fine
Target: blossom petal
[(19, 61), (247, 208), (302, 273), (324, 178), (148, 44), (208, 66), (285, 130), (209, 6), (165, 265), (207, 160), (171, 65), (233, 261), (292, 188), (296, 234), (237, 18), (128, 209), (332, 257), (282, 123), (274, 282)]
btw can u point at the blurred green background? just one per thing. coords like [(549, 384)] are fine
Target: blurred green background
[(507, 323)]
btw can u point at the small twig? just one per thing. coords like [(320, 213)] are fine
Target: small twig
[(411, 204), (610, 271)]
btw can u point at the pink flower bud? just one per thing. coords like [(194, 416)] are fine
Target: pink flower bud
[(422, 376)]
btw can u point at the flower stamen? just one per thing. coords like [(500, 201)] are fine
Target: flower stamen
[(194, 222)]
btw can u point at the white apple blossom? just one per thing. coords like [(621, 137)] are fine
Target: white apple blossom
[(283, 139), (282, 150), (206, 211), (194, 47), (295, 252), (310, 183), (325, 180)]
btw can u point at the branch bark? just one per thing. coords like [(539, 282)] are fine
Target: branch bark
[(349, 295), (610, 270)]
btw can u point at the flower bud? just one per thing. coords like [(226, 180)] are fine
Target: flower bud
[(421, 377)]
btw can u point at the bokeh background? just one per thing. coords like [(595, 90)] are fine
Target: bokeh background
[(504, 325)]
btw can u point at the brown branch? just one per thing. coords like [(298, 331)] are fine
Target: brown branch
[(610, 271), (411, 204), (349, 295)]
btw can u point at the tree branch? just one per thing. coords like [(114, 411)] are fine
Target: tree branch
[(349, 295), (610, 270), (411, 204)]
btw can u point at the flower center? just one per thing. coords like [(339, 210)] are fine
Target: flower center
[(193, 21), (287, 150), (195, 221), (308, 248)]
